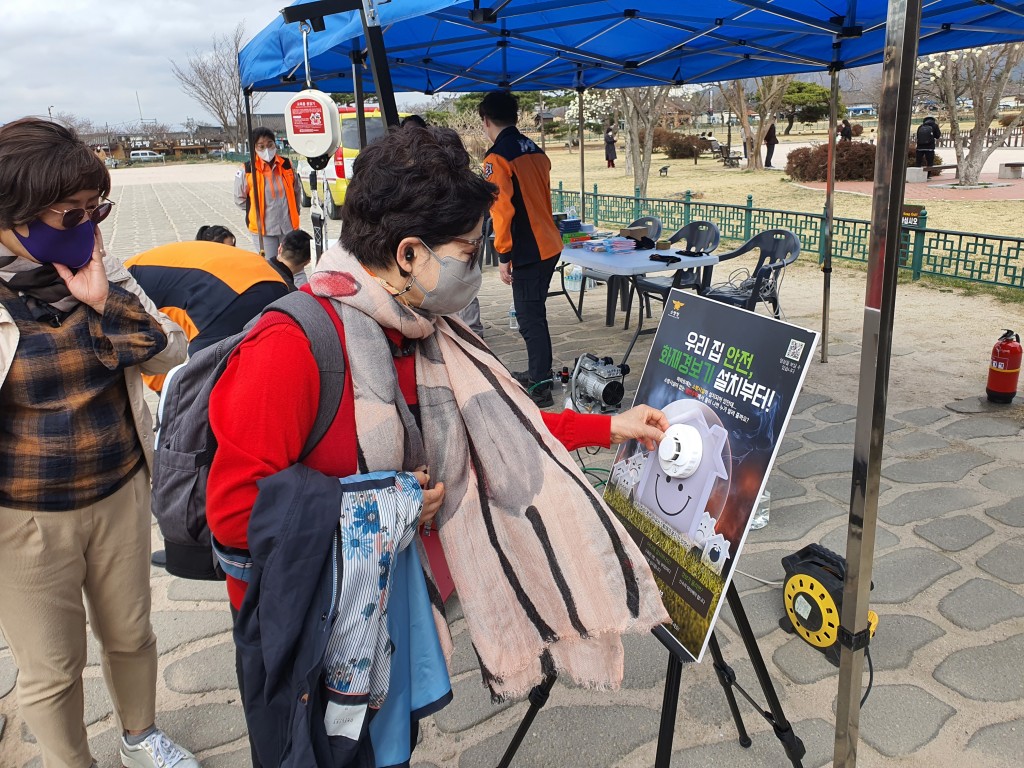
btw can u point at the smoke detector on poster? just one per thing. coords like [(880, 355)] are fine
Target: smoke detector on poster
[(677, 481)]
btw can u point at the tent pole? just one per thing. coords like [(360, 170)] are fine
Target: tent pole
[(357, 90), (540, 95), (583, 189), (379, 62), (902, 31), (830, 192), (247, 94)]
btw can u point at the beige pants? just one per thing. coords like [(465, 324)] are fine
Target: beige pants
[(47, 559)]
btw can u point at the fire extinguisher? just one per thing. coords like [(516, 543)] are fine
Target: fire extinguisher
[(1004, 369)]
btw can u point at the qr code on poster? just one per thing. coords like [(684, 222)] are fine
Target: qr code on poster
[(795, 351)]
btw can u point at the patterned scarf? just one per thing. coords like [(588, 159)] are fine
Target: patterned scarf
[(38, 283), (546, 576)]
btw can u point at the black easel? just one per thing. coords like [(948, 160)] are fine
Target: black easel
[(791, 743)]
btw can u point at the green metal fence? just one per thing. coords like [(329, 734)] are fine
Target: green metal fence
[(989, 259)]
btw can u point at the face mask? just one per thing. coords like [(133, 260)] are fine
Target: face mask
[(458, 283), (268, 154), (70, 247)]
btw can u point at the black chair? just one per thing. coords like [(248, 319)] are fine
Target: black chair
[(654, 227), (777, 248), (699, 237)]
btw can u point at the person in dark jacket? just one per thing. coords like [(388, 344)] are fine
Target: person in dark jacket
[(292, 257), (927, 134), (610, 155), (846, 131), (216, 233), (770, 140)]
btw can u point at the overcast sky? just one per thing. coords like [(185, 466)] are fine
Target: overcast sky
[(90, 58)]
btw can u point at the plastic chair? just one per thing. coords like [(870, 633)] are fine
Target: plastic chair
[(654, 227), (777, 248), (699, 237)]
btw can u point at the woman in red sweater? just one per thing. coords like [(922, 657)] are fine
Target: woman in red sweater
[(410, 238)]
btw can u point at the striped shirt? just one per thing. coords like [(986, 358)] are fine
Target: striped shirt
[(67, 436)]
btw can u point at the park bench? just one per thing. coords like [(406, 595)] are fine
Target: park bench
[(1010, 170), (731, 159), (936, 170), (917, 175), (663, 171)]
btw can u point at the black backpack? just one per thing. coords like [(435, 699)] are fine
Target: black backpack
[(925, 136), (185, 444)]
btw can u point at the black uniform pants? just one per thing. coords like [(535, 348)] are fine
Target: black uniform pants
[(530, 284)]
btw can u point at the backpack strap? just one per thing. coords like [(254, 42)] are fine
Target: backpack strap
[(325, 343)]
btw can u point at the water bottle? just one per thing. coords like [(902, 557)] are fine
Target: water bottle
[(759, 517), (513, 321), (574, 278)]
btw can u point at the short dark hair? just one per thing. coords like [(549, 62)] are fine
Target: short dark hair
[(500, 107), (263, 133), (42, 163), (414, 120), (214, 233), (295, 246), (411, 183)]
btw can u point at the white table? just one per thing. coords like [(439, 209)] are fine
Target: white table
[(631, 265)]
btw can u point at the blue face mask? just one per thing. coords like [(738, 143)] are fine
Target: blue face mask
[(70, 247)]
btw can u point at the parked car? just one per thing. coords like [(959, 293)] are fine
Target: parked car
[(144, 156), (339, 172), (216, 154)]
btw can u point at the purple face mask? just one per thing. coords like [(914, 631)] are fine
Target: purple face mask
[(70, 247)]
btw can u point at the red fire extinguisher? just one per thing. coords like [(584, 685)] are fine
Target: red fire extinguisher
[(1004, 369)]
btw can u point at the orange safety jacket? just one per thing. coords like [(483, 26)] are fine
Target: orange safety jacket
[(256, 192), (524, 231)]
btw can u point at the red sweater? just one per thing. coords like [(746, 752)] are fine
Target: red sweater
[(264, 406)]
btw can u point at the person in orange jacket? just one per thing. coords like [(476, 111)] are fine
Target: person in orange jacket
[(271, 206), (525, 235)]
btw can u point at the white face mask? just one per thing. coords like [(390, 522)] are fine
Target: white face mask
[(458, 283), (268, 154)]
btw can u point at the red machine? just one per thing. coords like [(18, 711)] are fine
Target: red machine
[(1004, 368)]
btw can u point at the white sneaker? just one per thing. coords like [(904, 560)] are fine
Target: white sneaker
[(156, 751)]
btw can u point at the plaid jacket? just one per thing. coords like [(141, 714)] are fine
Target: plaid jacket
[(173, 354), (67, 437)]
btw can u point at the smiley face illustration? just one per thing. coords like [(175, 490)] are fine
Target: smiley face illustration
[(677, 480)]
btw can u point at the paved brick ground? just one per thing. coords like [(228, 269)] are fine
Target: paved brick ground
[(948, 575)]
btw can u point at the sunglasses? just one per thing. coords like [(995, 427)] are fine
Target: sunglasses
[(475, 242), (72, 217)]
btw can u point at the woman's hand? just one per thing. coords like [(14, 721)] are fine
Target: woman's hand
[(89, 284), (642, 423), (432, 497)]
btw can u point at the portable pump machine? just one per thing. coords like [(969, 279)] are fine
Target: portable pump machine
[(314, 131)]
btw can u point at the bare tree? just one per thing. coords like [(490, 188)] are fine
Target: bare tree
[(766, 100), (212, 79), (81, 125), (641, 108), (981, 75)]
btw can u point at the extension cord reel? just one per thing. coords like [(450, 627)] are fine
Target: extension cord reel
[(813, 598)]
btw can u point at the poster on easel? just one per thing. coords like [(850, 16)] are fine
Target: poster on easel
[(728, 380)]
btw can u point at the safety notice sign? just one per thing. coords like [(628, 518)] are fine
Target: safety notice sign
[(307, 117)]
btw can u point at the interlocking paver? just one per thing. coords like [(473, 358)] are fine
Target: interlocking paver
[(927, 504), (980, 603), (1006, 561), (1008, 480), (954, 533), (903, 573), (899, 637), (981, 426), (820, 461), (1001, 741), (923, 417), (8, 675), (950, 467), (898, 720), (988, 672), (211, 669), (1010, 513)]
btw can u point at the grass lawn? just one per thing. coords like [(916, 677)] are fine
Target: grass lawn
[(717, 184)]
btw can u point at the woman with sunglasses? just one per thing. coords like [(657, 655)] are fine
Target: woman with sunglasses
[(75, 449), (431, 417)]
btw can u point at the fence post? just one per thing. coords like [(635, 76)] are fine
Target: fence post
[(686, 207), (821, 236), (918, 257), (561, 200), (594, 206), (636, 203), (748, 216)]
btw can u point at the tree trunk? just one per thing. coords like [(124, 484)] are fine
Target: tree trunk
[(641, 107), (791, 118)]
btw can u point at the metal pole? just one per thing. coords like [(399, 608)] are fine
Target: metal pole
[(540, 95), (830, 192), (379, 62), (252, 167), (357, 89), (902, 31), (583, 189)]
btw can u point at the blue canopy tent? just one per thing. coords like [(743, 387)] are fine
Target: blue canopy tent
[(434, 45), (542, 45)]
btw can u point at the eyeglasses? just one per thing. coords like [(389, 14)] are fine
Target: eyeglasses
[(72, 217), (475, 242)]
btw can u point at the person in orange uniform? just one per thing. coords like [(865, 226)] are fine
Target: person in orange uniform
[(211, 290), (525, 235), (272, 205)]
